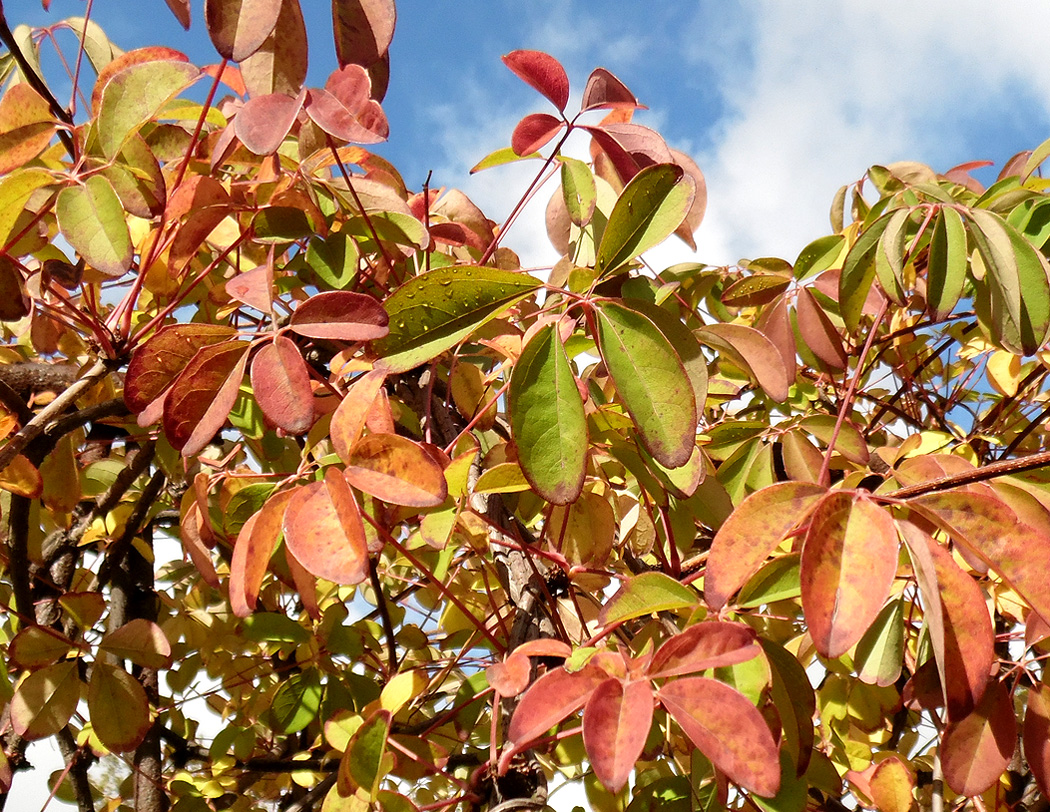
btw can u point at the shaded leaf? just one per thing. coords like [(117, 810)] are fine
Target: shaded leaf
[(605, 92), (21, 477), (181, 10), (92, 218), (1036, 735), (434, 311), (14, 303), (543, 72), (752, 532), (363, 30), (156, 363), (616, 722), (297, 701), (858, 272), (976, 749), (324, 531), (239, 27), (754, 353), (946, 271), (645, 594), (651, 381), (547, 419), (727, 729), (880, 652), (685, 344), (849, 560), (818, 333), (280, 64), (37, 646), (585, 530), (281, 384), (708, 644), (118, 707), (512, 676), (45, 700), (361, 767), (396, 470), (200, 399), (342, 315), (348, 420), (795, 701), (533, 132), (578, 190), (550, 699), (345, 109), (755, 289), (141, 641), (647, 212), (255, 544), (334, 259)]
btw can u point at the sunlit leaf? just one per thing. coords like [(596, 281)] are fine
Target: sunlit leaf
[(880, 652), (644, 594), (22, 477), (946, 272), (550, 699), (324, 530), (264, 121), (754, 353), (543, 72), (584, 531), (342, 315), (44, 702), (709, 644), (281, 384), (616, 722), (297, 701), (361, 767), (345, 109), (858, 272), (91, 217), (579, 190), (118, 706), (255, 544), (349, 418), (976, 749), (533, 132), (1036, 735), (141, 641), (280, 64), (605, 92), (396, 470), (156, 364)]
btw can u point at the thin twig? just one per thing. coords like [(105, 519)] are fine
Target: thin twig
[(384, 614)]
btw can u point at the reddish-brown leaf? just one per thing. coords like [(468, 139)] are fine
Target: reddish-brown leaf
[(623, 162), (14, 303), (727, 729), (200, 399), (251, 553), (281, 62), (698, 207), (775, 324), (196, 549), (264, 121), (1036, 735), (543, 72), (989, 529), (552, 697), (976, 749), (709, 644), (239, 27), (281, 384), (511, 676), (616, 723), (819, 333), (348, 420), (849, 560), (324, 531), (752, 532), (958, 620), (397, 470), (363, 30), (305, 584), (605, 92), (181, 10), (156, 364), (754, 353), (342, 315), (141, 641), (533, 131)]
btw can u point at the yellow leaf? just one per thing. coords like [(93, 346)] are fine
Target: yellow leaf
[(401, 690), (22, 478), (1004, 372)]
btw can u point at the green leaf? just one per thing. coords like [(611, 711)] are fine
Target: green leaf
[(889, 256), (858, 272), (645, 594), (946, 273), (92, 219), (44, 702), (579, 190), (15, 191), (297, 701), (362, 765), (651, 381), (270, 627), (880, 652), (506, 155), (134, 95), (647, 212), (776, 581), (547, 419), (334, 259), (819, 255), (435, 311)]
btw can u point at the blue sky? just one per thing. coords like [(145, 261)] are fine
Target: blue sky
[(779, 102)]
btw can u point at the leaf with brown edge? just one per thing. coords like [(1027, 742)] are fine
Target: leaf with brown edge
[(752, 532), (755, 354), (849, 560), (891, 785), (141, 641), (616, 722), (990, 530), (342, 315), (957, 617), (708, 644), (255, 544), (264, 121), (542, 72), (533, 132), (190, 529), (305, 583), (605, 92), (324, 531), (118, 707), (396, 470), (45, 700), (158, 362), (818, 333), (239, 27), (976, 749), (181, 10), (200, 399), (281, 384), (363, 30), (727, 729), (1036, 735), (550, 699), (698, 208), (348, 420)]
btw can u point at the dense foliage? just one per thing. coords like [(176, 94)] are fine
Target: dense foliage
[(312, 498)]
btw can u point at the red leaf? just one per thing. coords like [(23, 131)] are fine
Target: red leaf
[(397, 470), (605, 92), (849, 560), (1036, 736), (818, 333), (251, 553), (976, 749), (552, 697), (533, 131), (958, 620), (324, 531), (348, 420), (623, 162), (155, 364), (511, 676), (345, 109), (254, 287), (198, 403), (616, 724), (543, 72), (305, 584), (264, 121), (727, 729), (342, 315), (363, 30), (752, 532), (239, 27), (710, 644), (181, 10), (281, 384)]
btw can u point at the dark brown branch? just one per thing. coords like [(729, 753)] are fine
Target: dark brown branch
[(982, 474), (78, 761), (384, 614)]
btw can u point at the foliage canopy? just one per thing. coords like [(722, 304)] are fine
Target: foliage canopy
[(775, 534)]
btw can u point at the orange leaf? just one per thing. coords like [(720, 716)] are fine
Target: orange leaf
[(397, 470), (348, 420), (323, 529), (616, 724), (305, 584), (281, 384), (22, 478), (849, 560), (552, 697), (193, 544), (976, 749), (891, 786), (710, 644), (251, 553), (159, 361)]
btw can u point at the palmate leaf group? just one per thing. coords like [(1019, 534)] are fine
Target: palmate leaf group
[(769, 535)]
